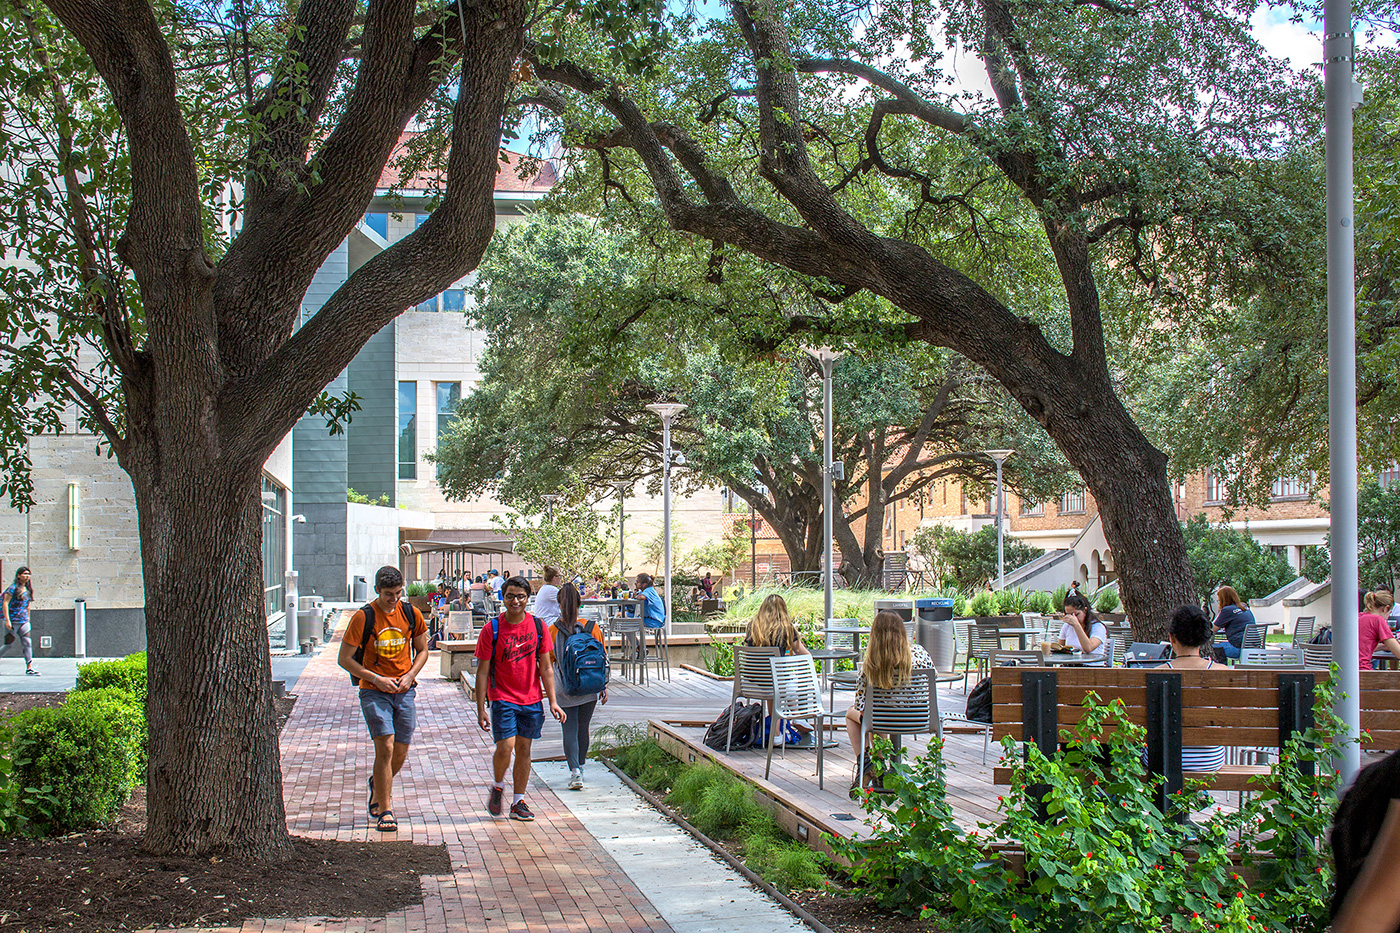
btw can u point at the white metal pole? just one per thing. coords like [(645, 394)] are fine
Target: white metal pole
[(621, 488), (1001, 553), (828, 362), (1337, 50), (666, 508)]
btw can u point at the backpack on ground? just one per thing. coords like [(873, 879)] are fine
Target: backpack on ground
[(748, 724), (979, 701), (583, 661), (368, 610), (1323, 636), (496, 640)]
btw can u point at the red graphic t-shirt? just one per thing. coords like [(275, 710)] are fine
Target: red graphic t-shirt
[(515, 675)]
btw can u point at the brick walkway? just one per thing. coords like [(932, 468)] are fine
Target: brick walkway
[(440, 797)]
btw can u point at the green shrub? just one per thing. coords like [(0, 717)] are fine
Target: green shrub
[(1106, 600), (1011, 601), (417, 589), (1057, 598), (784, 863), (982, 604), (726, 806), (70, 768), (10, 820), (718, 658), (647, 763), (1039, 603), (128, 721), (128, 673)]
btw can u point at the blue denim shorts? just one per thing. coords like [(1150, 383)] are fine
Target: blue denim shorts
[(390, 713), (512, 719)]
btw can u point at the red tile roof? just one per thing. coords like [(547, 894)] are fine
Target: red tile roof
[(507, 173)]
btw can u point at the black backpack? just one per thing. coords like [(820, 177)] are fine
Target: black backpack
[(368, 610), (979, 701), (1323, 636), (748, 723)]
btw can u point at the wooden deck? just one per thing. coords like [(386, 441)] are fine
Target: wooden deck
[(680, 709)]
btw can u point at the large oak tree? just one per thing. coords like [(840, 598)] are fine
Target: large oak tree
[(129, 124), (779, 131)]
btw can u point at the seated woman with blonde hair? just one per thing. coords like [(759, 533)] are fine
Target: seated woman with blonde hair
[(890, 661), (772, 626)]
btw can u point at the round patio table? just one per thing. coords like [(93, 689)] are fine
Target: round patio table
[(1077, 659), (1021, 633)]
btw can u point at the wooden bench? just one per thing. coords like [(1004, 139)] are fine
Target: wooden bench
[(1213, 707)]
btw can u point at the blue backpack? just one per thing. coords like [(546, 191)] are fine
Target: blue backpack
[(583, 662)]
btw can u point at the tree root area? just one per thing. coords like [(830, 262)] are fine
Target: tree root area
[(100, 881)]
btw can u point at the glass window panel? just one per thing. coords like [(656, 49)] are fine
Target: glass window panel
[(408, 430), (379, 223), (274, 545), (454, 299)]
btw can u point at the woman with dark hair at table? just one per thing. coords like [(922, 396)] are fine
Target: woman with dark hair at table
[(1190, 634), (1083, 631), (1366, 849)]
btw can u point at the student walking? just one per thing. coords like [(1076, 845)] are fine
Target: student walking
[(580, 666), (514, 673), (14, 608), (384, 648)]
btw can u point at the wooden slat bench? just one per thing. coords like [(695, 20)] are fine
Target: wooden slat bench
[(1213, 707)]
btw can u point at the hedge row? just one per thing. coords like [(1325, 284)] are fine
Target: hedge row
[(73, 766)]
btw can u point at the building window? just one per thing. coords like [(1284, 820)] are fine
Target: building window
[(454, 299), (274, 544), (1215, 487), (1390, 474), (448, 395), (379, 223), (1072, 502), (408, 430), (1032, 508), (1282, 488)]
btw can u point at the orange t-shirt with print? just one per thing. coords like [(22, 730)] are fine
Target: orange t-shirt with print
[(390, 652)]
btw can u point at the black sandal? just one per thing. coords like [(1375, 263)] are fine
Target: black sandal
[(372, 807), (387, 823)]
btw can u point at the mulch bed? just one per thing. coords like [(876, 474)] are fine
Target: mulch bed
[(850, 914), (99, 881)]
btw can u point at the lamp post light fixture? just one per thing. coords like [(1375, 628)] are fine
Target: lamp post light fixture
[(549, 499), (826, 358), (621, 486), (762, 490), (667, 412), (1000, 457)]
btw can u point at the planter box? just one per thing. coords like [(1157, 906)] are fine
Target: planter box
[(1113, 618)]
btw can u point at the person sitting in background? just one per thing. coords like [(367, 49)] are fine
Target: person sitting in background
[(1190, 634), (654, 611), (1233, 619), (1083, 631), (708, 586), (889, 663), (1373, 630), (772, 626), (478, 585), (1394, 618)]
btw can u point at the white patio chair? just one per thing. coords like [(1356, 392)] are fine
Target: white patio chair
[(753, 679), (908, 710), (796, 695), (1272, 658), (1303, 630)]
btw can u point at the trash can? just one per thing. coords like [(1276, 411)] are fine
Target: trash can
[(934, 630), (904, 607), (309, 619), (359, 591)]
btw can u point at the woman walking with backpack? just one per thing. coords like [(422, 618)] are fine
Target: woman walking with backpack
[(569, 672), (15, 611)]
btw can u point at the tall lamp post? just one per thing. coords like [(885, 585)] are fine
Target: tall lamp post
[(549, 499), (667, 412), (1341, 96), (1000, 457), (762, 490), (621, 486), (826, 358)]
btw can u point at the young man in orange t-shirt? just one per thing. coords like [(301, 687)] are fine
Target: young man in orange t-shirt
[(387, 676)]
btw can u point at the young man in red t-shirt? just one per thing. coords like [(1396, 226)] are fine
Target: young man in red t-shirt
[(514, 673), (387, 676)]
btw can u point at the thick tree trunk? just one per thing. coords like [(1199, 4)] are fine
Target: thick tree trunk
[(214, 783)]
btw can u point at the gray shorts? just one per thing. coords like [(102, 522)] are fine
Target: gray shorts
[(389, 713)]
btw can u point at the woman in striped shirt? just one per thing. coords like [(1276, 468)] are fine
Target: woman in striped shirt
[(1190, 634)]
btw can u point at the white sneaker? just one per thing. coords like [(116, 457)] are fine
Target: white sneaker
[(575, 780)]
